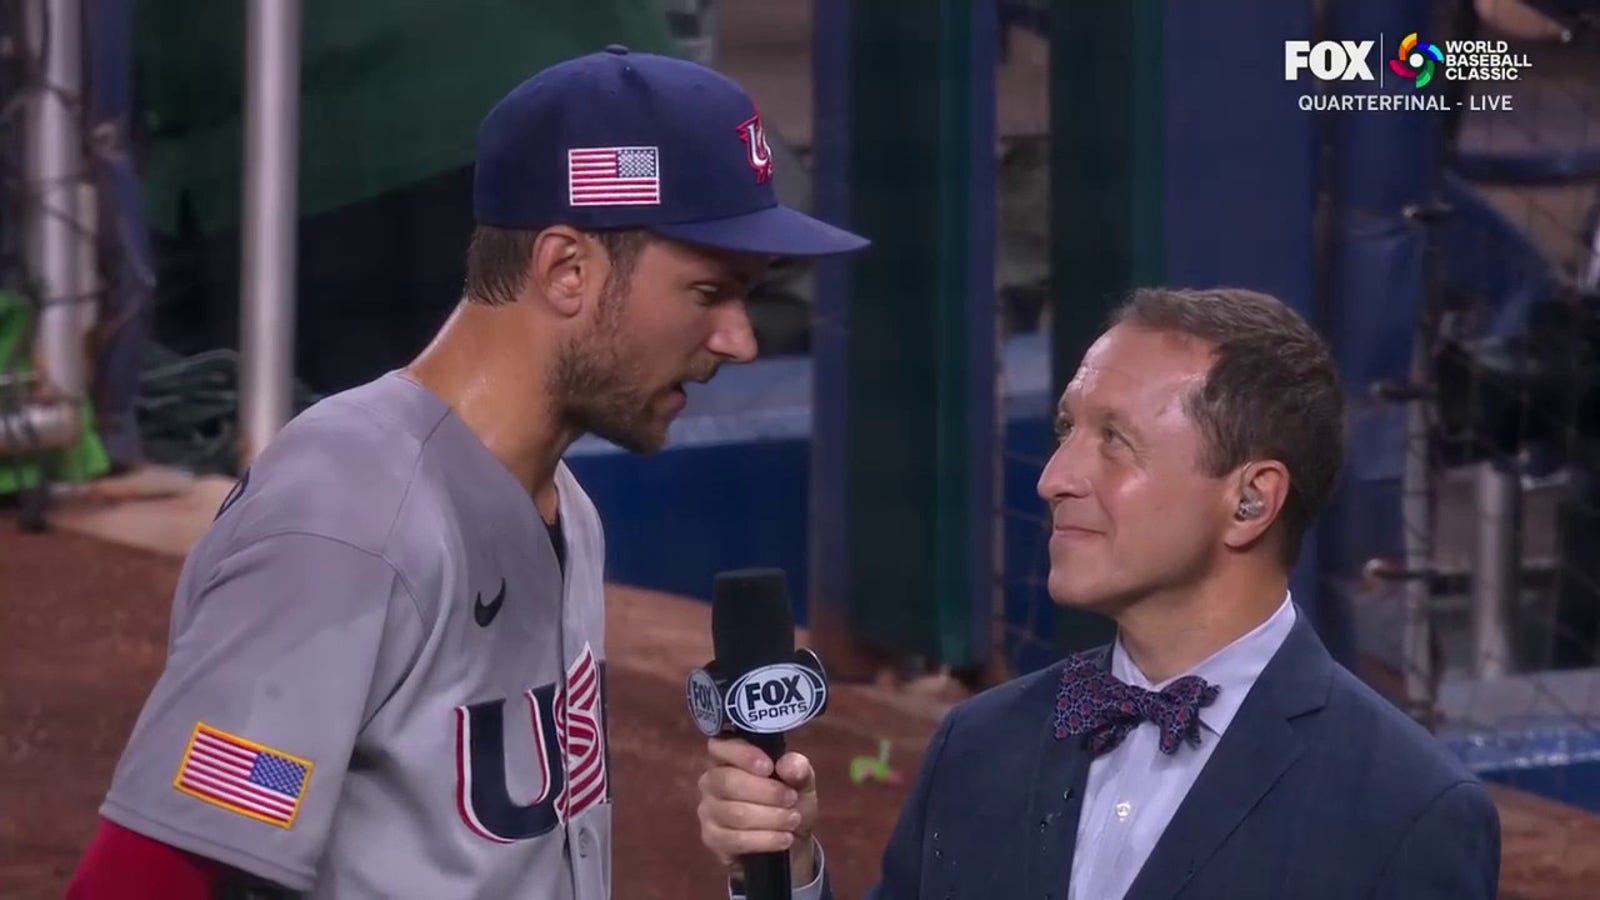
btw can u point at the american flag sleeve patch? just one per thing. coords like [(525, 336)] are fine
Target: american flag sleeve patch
[(242, 776)]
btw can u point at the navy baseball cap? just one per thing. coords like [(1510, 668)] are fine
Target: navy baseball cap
[(634, 140)]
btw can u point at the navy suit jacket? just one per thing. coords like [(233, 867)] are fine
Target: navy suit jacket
[(1320, 788)]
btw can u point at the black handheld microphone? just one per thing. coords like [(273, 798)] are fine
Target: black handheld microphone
[(758, 688)]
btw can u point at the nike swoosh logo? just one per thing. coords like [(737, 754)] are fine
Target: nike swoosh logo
[(484, 613)]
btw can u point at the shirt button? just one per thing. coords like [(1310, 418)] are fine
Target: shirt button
[(1124, 809), (585, 844)]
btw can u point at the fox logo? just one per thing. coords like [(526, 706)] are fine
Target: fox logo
[(757, 153)]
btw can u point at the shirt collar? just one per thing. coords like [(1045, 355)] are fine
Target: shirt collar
[(1234, 668)]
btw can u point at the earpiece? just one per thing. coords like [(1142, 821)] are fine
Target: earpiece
[(1249, 508)]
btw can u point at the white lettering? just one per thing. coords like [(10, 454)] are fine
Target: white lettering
[(1328, 60), (1487, 102), (1454, 47), (1373, 102)]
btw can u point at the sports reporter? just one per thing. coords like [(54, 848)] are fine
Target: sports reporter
[(1214, 749)]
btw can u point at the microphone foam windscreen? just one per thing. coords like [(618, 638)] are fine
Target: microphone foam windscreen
[(751, 622)]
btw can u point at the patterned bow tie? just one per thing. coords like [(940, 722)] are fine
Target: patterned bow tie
[(1094, 702)]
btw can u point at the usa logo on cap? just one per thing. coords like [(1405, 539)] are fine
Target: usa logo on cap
[(757, 153), (613, 176)]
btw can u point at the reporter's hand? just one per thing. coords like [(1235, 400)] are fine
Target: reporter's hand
[(743, 809)]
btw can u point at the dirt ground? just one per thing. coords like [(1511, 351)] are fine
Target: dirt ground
[(82, 635)]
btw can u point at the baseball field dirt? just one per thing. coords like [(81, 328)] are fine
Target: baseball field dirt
[(82, 635)]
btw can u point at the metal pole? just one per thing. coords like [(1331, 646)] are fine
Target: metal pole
[(59, 239), (985, 408), (55, 167), (271, 156), (1418, 508), (1495, 566)]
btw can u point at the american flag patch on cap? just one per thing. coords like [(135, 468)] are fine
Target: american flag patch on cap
[(242, 776), (614, 176)]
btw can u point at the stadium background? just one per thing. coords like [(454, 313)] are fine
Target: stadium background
[(1018, 165)]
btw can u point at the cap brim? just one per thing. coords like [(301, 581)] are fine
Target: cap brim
[(776, 230)]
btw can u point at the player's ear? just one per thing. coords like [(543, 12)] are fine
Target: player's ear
[(562, 268)]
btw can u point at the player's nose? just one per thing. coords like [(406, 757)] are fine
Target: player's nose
[(734, 338)]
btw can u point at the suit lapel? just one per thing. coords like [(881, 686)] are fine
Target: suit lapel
[(1258, 747), (1241, 771), (1061, 772)]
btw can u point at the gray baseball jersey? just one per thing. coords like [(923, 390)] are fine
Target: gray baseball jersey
[(380, 681)]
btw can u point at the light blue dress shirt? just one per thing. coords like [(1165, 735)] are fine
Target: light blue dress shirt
[(1134, 790)]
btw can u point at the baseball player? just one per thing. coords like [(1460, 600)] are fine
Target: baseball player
[(386, 667)]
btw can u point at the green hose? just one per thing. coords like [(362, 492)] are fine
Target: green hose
[(188, 409), (85, 459)]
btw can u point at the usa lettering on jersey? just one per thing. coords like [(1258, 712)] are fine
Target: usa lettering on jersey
[(568, 727), (580, 723)]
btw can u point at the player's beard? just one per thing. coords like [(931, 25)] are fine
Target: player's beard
[(601, 387)]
